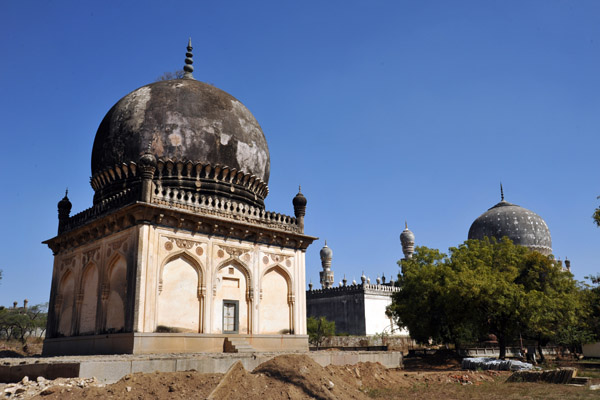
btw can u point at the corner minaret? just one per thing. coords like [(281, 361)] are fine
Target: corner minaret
[(327, 274), (299, 203), (64, 209), (407, 238)]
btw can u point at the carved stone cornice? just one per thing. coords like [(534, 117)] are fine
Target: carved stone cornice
[(177, 219)]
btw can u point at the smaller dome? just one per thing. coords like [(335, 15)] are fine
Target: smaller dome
[(299, 200), (407, 237), (147, 160), (363, 278), (299, 203), (65, 204), (326, 252)]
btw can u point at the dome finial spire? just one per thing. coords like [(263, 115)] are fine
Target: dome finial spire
[(188, 68), (501, 192)]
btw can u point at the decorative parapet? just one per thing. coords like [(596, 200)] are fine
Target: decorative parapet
[(225, 208), (189, 201), (123, 198), (353, 289)]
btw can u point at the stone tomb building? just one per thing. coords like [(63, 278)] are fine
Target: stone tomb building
[(177, 253), (356, 308)]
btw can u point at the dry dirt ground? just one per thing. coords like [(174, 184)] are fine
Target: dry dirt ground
[(299, 377), (14, 348)]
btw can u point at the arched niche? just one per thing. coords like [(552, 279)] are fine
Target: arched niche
[(89, 303), (276, 308), (117, 294), (180, 294), (232, 287), (66, 296)]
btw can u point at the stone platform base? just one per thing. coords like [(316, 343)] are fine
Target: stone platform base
[(110, 369), (153, 343)]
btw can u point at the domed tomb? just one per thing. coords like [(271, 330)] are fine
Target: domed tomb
[(522, 226), (203, 139)]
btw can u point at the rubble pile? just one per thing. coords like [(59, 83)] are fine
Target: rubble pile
[(485, 363), (27, 388)]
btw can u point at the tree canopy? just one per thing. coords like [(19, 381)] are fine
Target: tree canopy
[(20, 323), (484, 287)]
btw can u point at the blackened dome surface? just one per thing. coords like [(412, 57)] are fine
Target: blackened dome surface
[(522, 226), (183, 120)]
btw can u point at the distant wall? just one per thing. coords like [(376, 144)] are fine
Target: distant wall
[(591, 350), (347, 310)]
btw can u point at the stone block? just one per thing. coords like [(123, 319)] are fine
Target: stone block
[(105, 371), (156, 365)]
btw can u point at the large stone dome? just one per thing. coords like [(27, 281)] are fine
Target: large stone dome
[(201, 136), (522, 226)]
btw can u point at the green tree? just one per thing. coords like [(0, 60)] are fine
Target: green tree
[(318, 329), (20, 323), (591, 300), (483, 287), (427, 304)]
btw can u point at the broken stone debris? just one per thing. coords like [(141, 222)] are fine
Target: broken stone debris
[(28, 388), (485, 363)]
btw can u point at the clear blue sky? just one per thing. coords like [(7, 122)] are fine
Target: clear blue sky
[(384, 111)]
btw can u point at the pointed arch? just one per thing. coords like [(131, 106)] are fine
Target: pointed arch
[(243, 269), (66, 302), (112, 261), (193, 261), (276, 305), (232, 284), (283, 272), (88, 292), (181, 293), (116, 293)]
